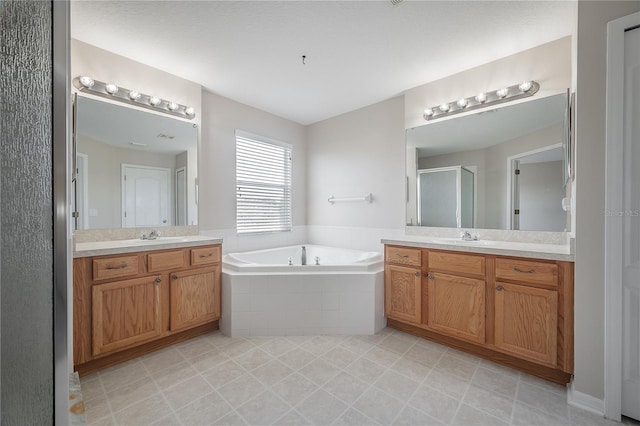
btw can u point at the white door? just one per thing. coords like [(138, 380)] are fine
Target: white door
[(181, 197), (631, 229), (145, 196)]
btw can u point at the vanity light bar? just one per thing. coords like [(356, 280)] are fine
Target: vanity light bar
[(482, 100), (133, 97)]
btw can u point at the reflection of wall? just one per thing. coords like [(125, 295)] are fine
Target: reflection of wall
[(540, 195), (492, 172), (104, 165)]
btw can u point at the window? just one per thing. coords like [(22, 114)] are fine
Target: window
[(263, 185)]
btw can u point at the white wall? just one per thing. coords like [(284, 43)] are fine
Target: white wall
[(352, 155), (590, 183), (217, 196)]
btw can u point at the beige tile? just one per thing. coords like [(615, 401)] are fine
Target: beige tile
[(396, 344), (544, 384), (489, 365), (318, 345), (294, 388), (411, 368), (122, 374), (208, 360), (582, 418), (453, 386), (231, 419), (292, 418), (524, 415), (237, 348), (187, 391), (196, 347), (96, 409), (540, 398), (131, 393), (428, 355), (365, 370), (105, 421), (173, 374), (144, 412), (162, 359), (319, 371), (382, 356), (204, 411), (253, 358), (463, 356), (496, 381), (296, 358), (357, 345), (397, 385), (413, 417), (92, 389), (354, 418), (456, 366), (321, 408), (340, 356), (298, 340), (241, 390), (223, 373), (469, 416), (278, 346), (490, 402), (170, 420), (378, 405), (265, 408), (346, 388), (435, 403), (272, 372), (219, 340)]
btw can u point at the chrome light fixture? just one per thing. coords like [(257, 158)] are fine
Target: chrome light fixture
[(133, 97), (485, 99)]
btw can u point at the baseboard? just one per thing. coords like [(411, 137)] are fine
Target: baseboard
[(584, 401)]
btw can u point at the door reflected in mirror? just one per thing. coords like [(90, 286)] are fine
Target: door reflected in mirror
[(134, 168), (506, 166)]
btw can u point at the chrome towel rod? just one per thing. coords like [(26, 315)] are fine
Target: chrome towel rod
[(368, 198)]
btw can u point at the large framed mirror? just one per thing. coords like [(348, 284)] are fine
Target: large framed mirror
[(133, 168), (503, 168)]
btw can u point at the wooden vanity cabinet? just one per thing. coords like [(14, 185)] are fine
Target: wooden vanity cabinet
[(129, 304), (515, 311)]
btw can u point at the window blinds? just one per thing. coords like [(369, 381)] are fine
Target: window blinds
[(263, 185)]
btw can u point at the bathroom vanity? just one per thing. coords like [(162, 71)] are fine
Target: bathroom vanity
[(515, 309), (131, 297)]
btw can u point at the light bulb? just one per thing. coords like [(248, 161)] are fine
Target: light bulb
[(172, 106), (501, 93), (134, 95), (526, 86), (481, 98), (154, 101), (86, 81), (111, 88), (444, 107), (462, 103), (189, 111)]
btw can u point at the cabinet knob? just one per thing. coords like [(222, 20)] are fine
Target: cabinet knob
[(174, 277), (158, 280), (417, 273), (499, 288), (431, 277)]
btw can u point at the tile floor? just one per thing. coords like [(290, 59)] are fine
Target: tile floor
[(389, 378)]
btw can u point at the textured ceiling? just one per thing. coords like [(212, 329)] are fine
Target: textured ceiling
[(357, 53)]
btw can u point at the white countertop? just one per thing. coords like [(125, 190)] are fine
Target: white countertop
[(99, 248), (502, 248)]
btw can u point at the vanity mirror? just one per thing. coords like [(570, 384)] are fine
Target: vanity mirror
[(503, 168), (134, 168)]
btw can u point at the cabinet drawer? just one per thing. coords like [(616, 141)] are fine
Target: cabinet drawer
[(457, 263), (205, 255), (403, 256), (114, 267), (165, 260), (527, 271)]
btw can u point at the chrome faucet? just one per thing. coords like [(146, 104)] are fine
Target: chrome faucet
[(467, 236), (304, 256), (151, 236)]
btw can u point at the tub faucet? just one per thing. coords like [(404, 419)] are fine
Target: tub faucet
[(304, 255)]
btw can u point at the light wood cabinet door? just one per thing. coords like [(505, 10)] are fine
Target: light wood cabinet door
[(195, 297), (526, 321), (457, 306), (403, 293), (125, 313)]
